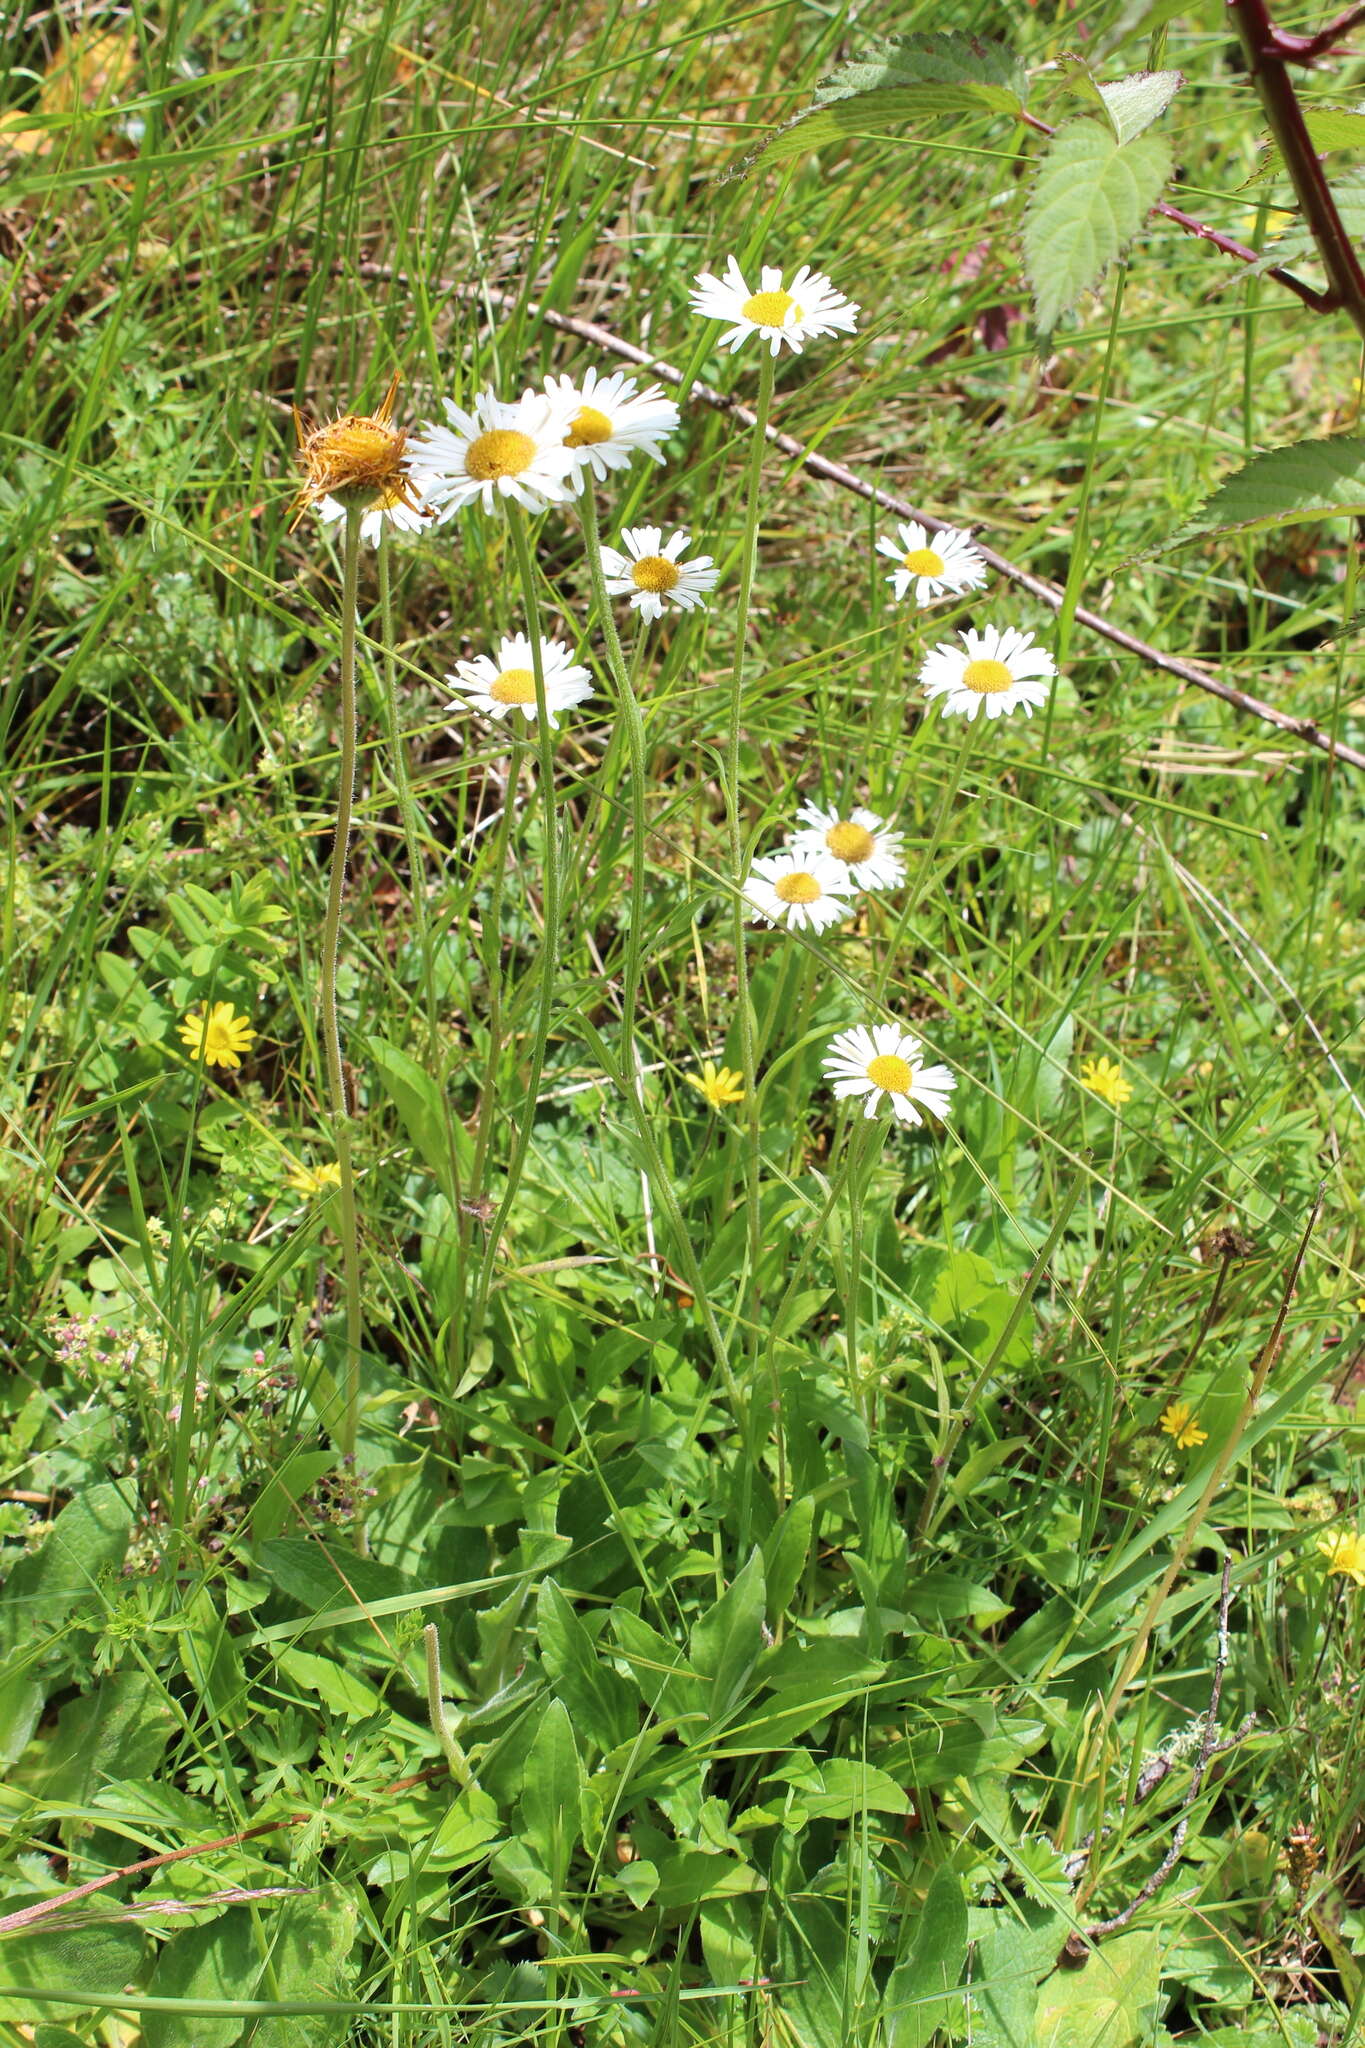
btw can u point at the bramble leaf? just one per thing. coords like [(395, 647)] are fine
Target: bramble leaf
[(1309, 480), (1091, 196)]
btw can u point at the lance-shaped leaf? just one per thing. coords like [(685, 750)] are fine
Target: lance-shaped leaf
[(1310, 480), (1091, 196)]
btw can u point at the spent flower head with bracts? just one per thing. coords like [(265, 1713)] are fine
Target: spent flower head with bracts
[(807, 308), (1179, 1421), (798, 890), (503, 449), (720, 1085), (998, 668), (857, 838), (653, 574), (1104, 1077), (357, 459), (218, 1039), (1345, 1554), (943, 565), (888, 1062), (610, 421), (508, 683)]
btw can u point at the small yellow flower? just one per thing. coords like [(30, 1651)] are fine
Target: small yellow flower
[(1345, 1553), (315, 1180), (1179, 1421), (218, 1039), (1276, 222), (1105, 1077), (1360, 1304), (718, 1084)]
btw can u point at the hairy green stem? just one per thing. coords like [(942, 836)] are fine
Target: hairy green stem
[(402, 783), (748, 562), (331, 943), (549, 947), (628, 707)]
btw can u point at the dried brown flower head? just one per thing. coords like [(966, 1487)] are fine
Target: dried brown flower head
[(356, 458)]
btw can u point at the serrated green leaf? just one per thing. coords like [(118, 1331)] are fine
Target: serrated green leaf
[(1129, 104), (1310, 480), (1091, 196), (909, 79), (1335, 127), (1296, 245), (977, 61)]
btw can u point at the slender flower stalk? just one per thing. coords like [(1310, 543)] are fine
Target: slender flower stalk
[(402, 783), (739, 907), (629, 705), (331, 941), (550, 896)]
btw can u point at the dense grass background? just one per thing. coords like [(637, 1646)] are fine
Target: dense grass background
[(798, 1688)]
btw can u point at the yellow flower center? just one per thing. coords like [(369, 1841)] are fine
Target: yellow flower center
[(987, 678), (850, 842), (656, 573), (589, 427), (891, 1072), (923, 562), (502, 451), (514, 686), (770, 309), (798, 888)]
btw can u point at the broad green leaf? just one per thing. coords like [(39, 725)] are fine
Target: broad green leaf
[(1129, 104), (1108, 2002), (921, 1992), (219, 1960), (947, 1596), (552, 1793), (1016, 1948), (322, 1678), (73, 1960), (1090, 197), (277, 1502), (726, 1642), (1336, 127), (600, 1701), (1310, 480), (86, 1542), (815, 1957), (311, 1944), (907, 79), (119, 1729)]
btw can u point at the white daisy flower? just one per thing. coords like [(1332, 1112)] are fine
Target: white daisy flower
[(499, 450), (509, 682), (937, 564), (809, 308), (610, 421), (857, 839), (998, 669), (652, 574), (402, 518), (799, 889), (887, 1061)]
